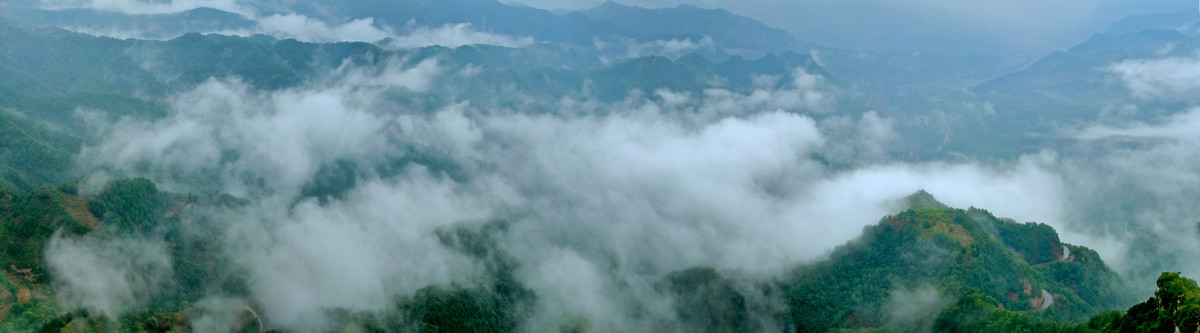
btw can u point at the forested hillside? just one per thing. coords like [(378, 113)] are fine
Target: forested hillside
[(478, 166), (930, 265)]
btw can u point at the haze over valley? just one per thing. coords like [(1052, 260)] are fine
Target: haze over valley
[(629, 166)]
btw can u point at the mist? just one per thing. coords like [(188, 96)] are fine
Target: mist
[(607, 196), (426, 165), (111, 276), (1018, 30), (928, 26)]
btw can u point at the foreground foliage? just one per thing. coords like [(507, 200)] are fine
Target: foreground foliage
[(950, 270)]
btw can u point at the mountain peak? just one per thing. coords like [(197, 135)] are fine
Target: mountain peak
[(693, 7), (611, 4), (922, 200), (728, 31)]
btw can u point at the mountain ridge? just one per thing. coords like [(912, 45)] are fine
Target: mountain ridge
[(734, 32), (958, 253)]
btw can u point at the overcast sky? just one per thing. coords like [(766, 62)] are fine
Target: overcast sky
[(1035, 24)]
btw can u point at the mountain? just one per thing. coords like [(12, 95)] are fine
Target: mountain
[(607, 23), (693, 73), (737, 34), (152, 26), (1186, 21), (1081, 73), (32, 219), (935, 268), (413, 136), (1030, 109), (1174, 307), (484, 15), (395, 12), (56, 62), (49, 74), (31, 153), (928, 267), (493, 16), (936, 254)]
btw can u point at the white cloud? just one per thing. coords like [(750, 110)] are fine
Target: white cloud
[(1185, 125), (308, 29), (305, 257), (452, 35), (618, 194), (623, 47), (916, 309), (604, 198), (416, 78), (353, 254), (110, 276), (806, 92), (641, 185), (572, 287), (366, 30), (281, 138), (1169, 79), (1139, 201)]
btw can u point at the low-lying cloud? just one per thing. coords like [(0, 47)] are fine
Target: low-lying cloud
[(617, 194), (308, 29), (1167, 79), (1142, 197), (109, 276), (452, 35), (412, 36), (1180, 126), (654, 191), (625, 48)]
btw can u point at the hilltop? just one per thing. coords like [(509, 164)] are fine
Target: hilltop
[(947, 254)]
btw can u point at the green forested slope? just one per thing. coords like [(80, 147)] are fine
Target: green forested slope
[(30, 219), (950, 268), (959, 253), (33, 154)]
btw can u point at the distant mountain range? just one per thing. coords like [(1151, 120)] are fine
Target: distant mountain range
[(1075, 83), (736, 34), (927, 266), (1079, 87), (155, 26), (1186, 21)]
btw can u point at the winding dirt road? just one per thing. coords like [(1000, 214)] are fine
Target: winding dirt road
[(1047, 300)]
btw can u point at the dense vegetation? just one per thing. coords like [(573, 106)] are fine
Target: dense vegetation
[(968, 254), (57, 87), (1175, 307), (33, 154), (30, 219), (952, 266), (929, 267), (496, 302)]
